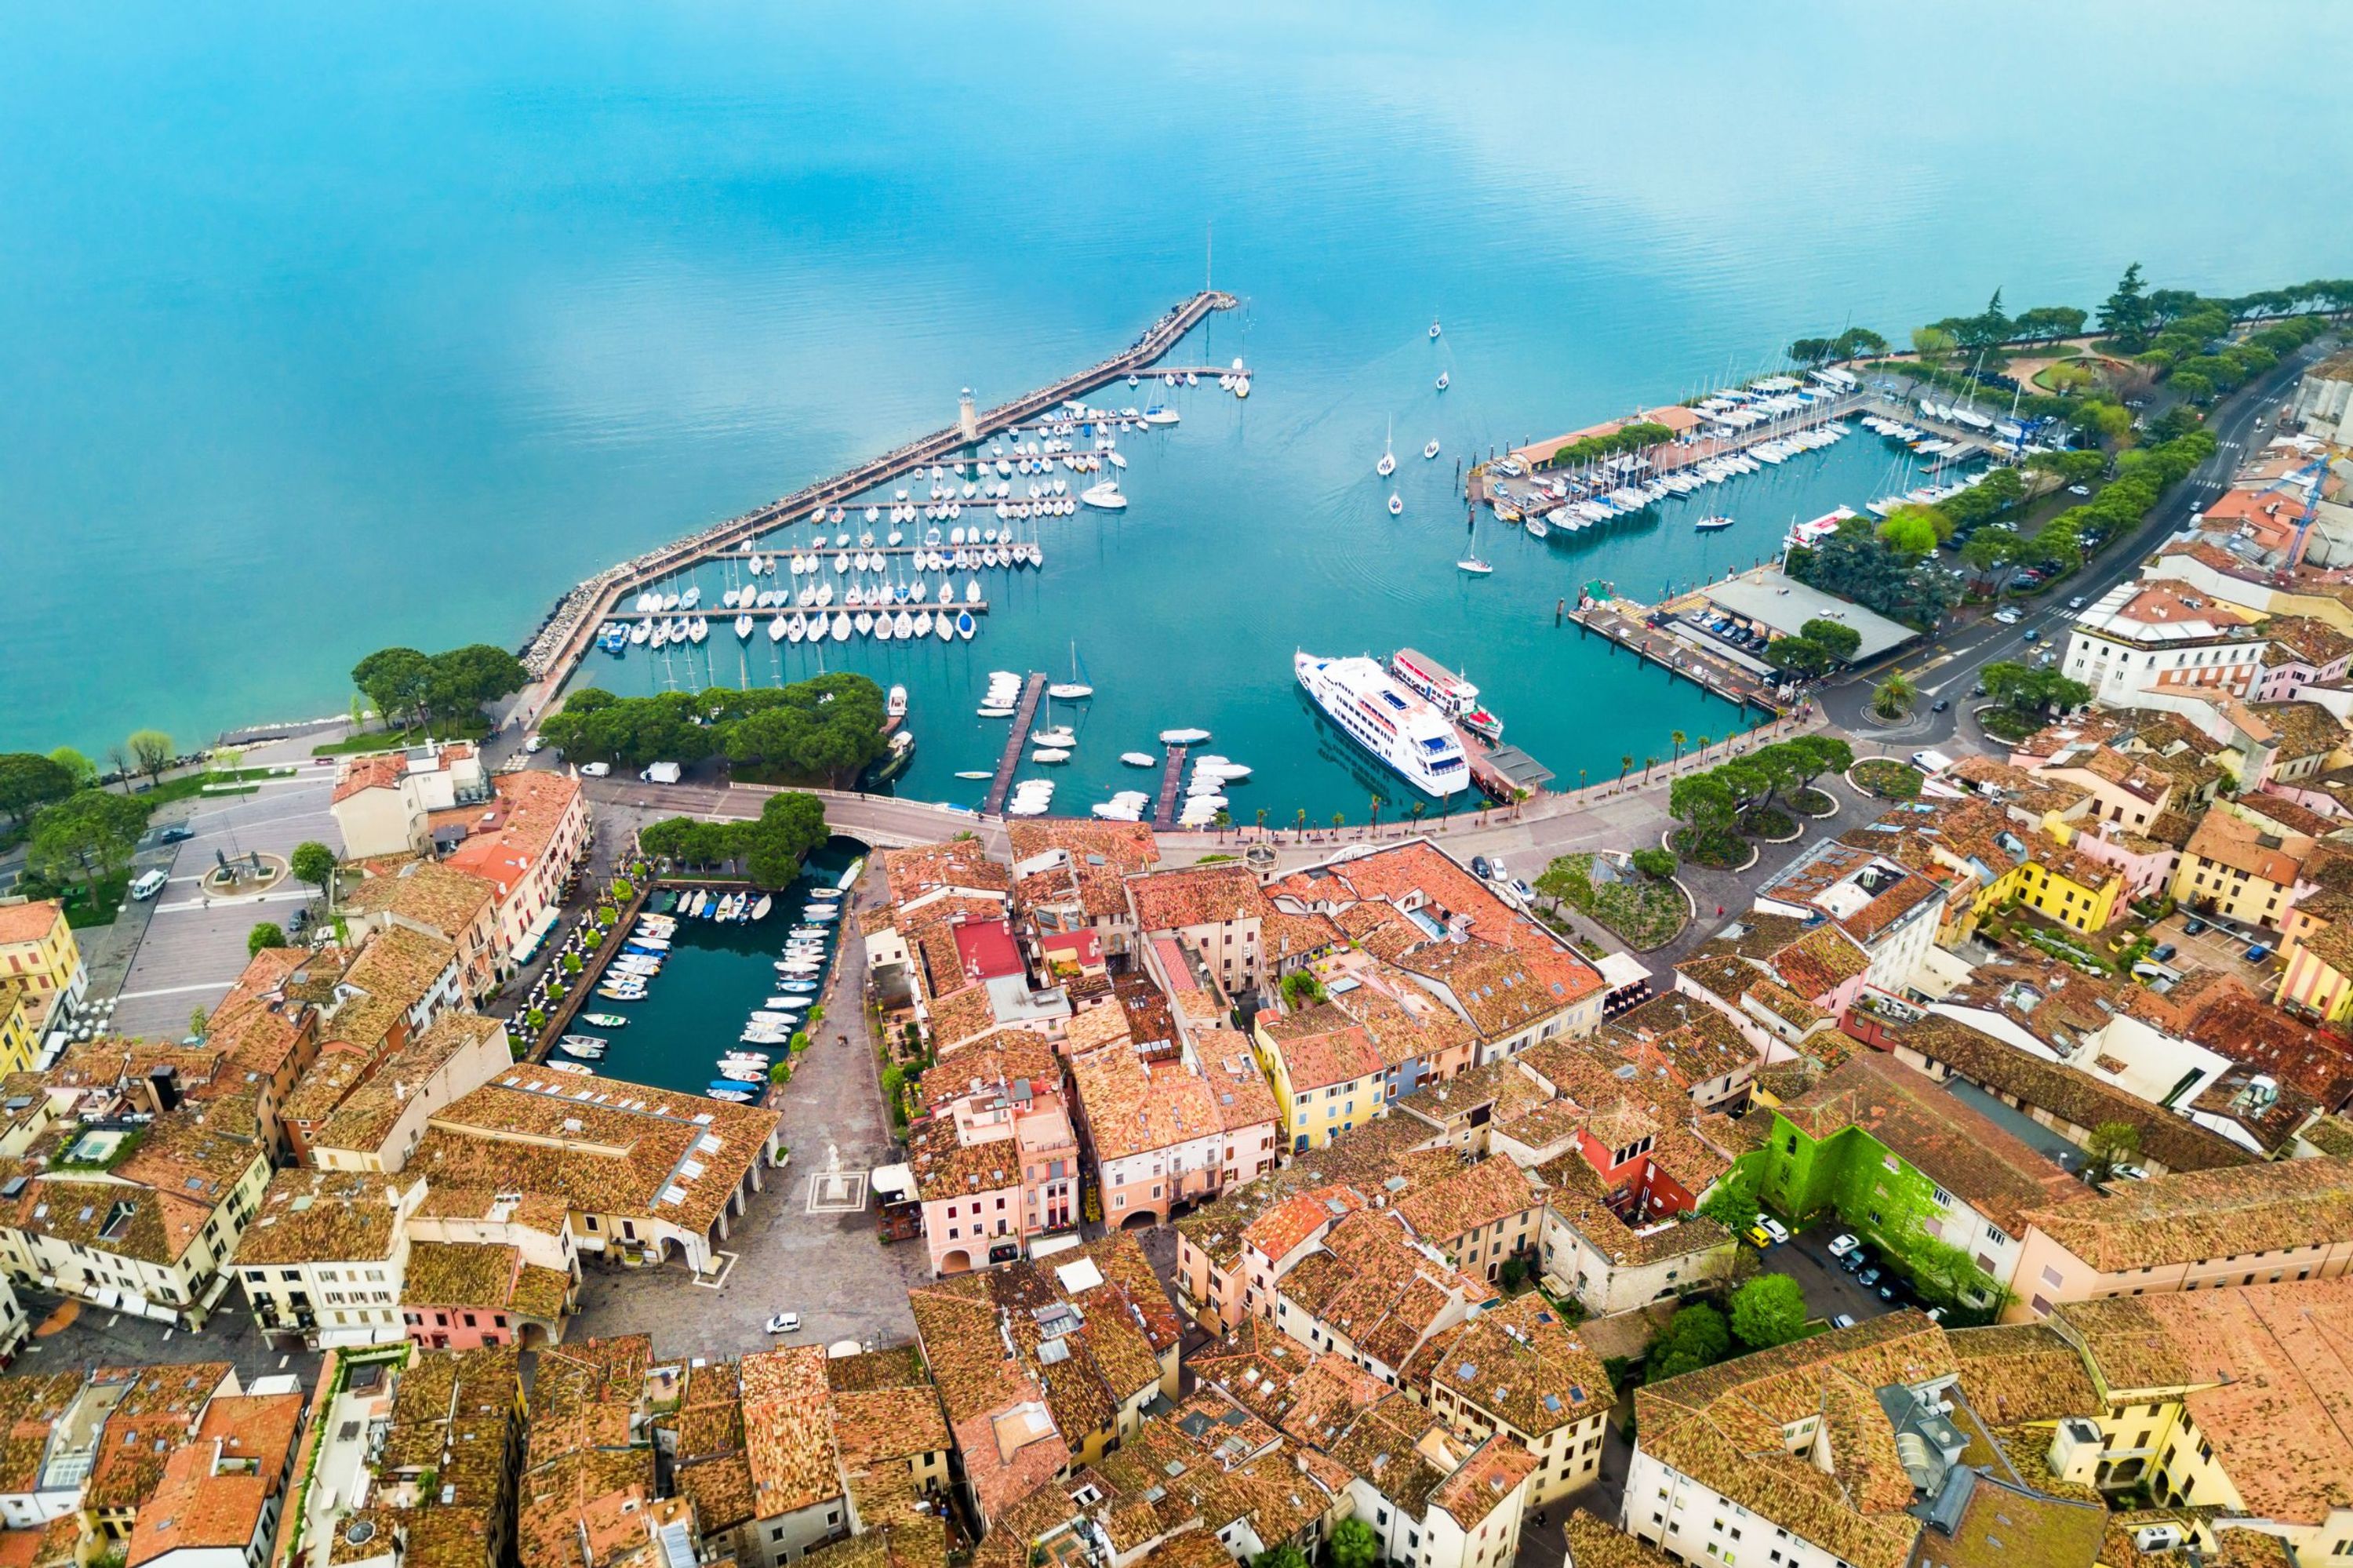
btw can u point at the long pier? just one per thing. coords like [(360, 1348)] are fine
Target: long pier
[(721, 618), (1172, 775), (570, 632), (1621, 622), (746, 552), (1032, 690)]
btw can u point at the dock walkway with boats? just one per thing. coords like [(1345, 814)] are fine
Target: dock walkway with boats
[(570, 632), (1626, 624), (1172, 782), (1033, 692)]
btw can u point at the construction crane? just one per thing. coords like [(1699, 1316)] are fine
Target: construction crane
[(2314, 471)]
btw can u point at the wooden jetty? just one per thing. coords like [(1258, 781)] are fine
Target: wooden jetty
[(571, 630), (1172, 780), (1622, 622), (1033, 692)]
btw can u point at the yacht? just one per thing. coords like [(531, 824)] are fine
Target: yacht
[(1397, 727), (1139, 759), (1396, 506), (1157, 415), (1388, 466), (1444, 380), (1104, 497), (1183, 736), (1433, 328), (1431, 450), (1709, 524), (1475, 566)]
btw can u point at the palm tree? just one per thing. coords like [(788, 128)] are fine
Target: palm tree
[(1678, 737), (1419, 808), (1580, 781), (1221, 821), (1262, 821), (1378, 804), (1896, 695), (1648, 763), (1623, 764), (1339, 821), (1302, 824)]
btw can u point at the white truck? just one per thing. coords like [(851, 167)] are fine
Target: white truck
[(660, 773)]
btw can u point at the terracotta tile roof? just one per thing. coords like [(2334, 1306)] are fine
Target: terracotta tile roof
[(2068, 1092), (1691, 1042), (1576, 1192), (787, 1432), (157, 1413), (1913, 1118), (1496, 986), (1401, 1020), (1172, 900), (323, 1216), (2022, 1371), (1479, 1195), (2203, 1215), (1133, 1107), (363, 1117), (961, 1015), (506, 840), (1320, 1046), (1240, 1089), (438, 895), (1519, 1362), (2269, 1369), (1723, 1427), (214, 1490), (2303, 729), (624, 1150), (1485, 1481), (959, 862), (30, 1405), (2226, 839), (1595, 1545)]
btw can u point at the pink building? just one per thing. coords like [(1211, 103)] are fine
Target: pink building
[(994, 1161), (2146, 865)]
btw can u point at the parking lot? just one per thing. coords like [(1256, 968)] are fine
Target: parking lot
[(2215, 947), (1830, 1291), (192, 947)]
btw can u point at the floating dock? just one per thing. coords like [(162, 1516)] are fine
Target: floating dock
[(1624, 623), (570, 632), (1172, 780), (1033, 692)]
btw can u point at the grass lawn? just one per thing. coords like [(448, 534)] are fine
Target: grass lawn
[(2003, 724), (95, 903), (230, 781), (388, 740), (1889, 780), (1639, 911), (1767, 822), (1813, 802), (1723, 854)]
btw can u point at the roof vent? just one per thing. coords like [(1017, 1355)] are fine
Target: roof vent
[(359, 1532)]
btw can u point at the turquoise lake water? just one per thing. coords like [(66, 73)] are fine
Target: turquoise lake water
[(716, 976), (323, 331)]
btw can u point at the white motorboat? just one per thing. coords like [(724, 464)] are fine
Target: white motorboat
[(743, 624), (1050, 754), (1431, 450), (1444, 380), (1710, 525), (1396, 506), (964, 625), (1103, 497), (1139, 759), (1183, 736), (1433, 328), (1475, 566), (895, 705)]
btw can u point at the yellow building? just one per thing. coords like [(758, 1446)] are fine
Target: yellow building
[(1326, 1074), (37, 950), (2238, 869), (17, 1037), (2074, 891)]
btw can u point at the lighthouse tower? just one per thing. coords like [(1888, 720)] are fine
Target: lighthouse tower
[(968, 418)]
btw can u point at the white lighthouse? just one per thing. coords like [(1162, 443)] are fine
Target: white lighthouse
[(968, 416)]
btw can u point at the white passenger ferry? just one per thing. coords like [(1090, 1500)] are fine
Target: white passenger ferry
[(1401, 729)]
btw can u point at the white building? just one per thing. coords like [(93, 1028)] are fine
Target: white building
[(2154, 644)]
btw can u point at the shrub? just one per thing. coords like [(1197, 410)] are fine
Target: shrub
[(1888, 779), (1656, 863)]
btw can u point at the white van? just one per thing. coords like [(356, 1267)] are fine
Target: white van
[(148, 884)]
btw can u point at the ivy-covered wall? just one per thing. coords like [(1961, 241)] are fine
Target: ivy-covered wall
[(1876, 1194)]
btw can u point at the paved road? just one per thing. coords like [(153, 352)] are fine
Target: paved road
[(94, 1338), (1950, 665)]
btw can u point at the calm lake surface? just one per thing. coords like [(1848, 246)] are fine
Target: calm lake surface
[(324, 331)]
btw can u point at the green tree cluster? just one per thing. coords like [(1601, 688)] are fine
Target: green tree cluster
[(1768, 1311), (824, 728), (410, 689), (1301, 989), (1854, 342), (1695, 1337), (268, 933), (29, 781), (88, 836), (772, 847), (1855, 564), (1653, 863), (2033, 692), (1712, 804), (1627, 438)]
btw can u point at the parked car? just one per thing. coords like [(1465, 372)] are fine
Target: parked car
[(1496, 869), (2162, 952), (298, 922), (595, 770), (1843, 1244), (2192, 926), (1936, 1314), (2079, 490), (785, 1323), (534, 744), (178, 833), (2007, 616), (2258, 953), (1479, 867), (1759, 1234), (1856, 1259), (1773, 1228), (148, 884), (1842, 1321), (1870, 1277), (1887, 1291)]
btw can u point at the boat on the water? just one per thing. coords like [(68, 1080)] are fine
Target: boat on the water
[(605, 1020), (1475, 566), (1183, 736), (1431, 450), (1397, 727), (1132, 758), (576, 1069), (1709, 524)]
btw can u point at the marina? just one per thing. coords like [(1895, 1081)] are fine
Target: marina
[(571, 630), (1033, 691)]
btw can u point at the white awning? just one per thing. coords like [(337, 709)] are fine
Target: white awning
[(893, 1180)]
